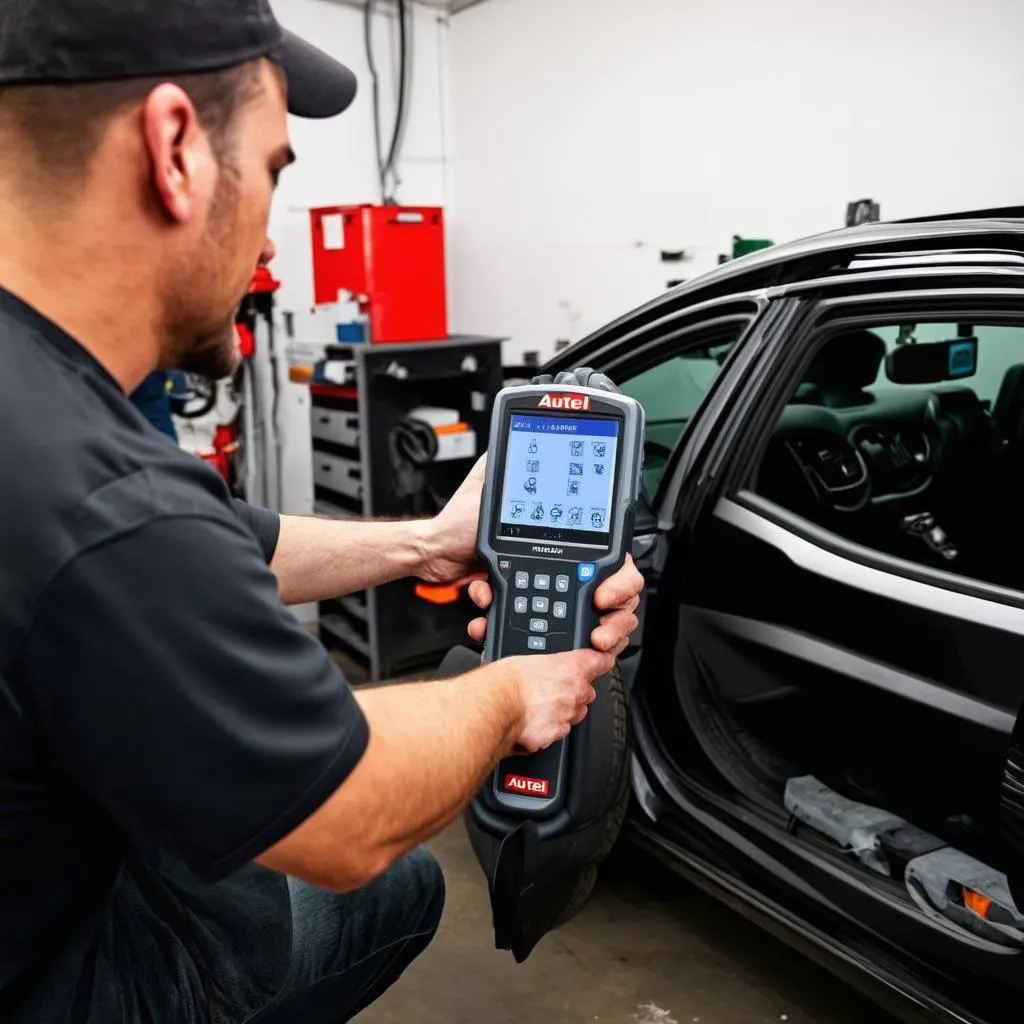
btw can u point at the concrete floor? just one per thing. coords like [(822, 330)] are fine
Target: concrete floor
[(649, 949)]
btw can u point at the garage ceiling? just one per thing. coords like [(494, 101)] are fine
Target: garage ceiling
[(457, 5), (452, 6)]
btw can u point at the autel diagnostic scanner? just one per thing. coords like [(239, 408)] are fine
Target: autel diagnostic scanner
[(556, 519)]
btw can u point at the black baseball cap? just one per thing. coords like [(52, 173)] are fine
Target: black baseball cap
[(75, 41)]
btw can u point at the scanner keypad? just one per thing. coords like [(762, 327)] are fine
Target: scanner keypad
[(543, 603)]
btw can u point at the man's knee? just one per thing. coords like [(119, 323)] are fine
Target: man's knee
[(402, 905), (417, 884)]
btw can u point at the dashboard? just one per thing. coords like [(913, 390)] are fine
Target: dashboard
[(897, 448)]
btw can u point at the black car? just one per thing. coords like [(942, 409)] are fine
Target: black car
[(823, 705)]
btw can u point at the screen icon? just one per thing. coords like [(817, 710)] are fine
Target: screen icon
[(575, 515), (599, 468), (574, 488), (530, 486), (556, 513), (538, 512), (575, 469), (533, 447), (517, 510), (533, 465), (600, 449), (597, 518), (576, 449)]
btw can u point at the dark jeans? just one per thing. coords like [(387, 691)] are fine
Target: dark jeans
[(259, 948)]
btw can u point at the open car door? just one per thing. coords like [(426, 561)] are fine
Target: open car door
[(1012, 806), (541, 869)]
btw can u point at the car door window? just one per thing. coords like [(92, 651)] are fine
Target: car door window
[(670, 393), (928, 471)]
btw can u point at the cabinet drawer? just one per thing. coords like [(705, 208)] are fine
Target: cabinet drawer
[(335, 425), (338, 474)]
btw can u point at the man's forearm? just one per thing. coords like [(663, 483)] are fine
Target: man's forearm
[(317, 559), (459, 727), (431, 747)]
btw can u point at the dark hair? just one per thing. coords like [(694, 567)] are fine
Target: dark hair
[(64, 124)]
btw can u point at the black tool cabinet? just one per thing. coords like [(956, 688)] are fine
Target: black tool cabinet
[(390, 629)]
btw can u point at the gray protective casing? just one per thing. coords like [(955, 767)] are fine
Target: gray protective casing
[(561, 557)]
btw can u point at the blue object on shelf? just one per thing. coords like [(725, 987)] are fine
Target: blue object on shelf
[(351, 333)]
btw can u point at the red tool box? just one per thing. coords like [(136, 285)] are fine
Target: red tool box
[(392, 260)]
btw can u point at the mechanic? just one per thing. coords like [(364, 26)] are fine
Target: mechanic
[(199, 820)]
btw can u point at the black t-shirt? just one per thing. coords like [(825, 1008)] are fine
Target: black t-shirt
[(155, 695)]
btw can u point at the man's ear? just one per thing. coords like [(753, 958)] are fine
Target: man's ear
[(177, 148)]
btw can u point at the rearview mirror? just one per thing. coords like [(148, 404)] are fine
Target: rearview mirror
[(932, 362)]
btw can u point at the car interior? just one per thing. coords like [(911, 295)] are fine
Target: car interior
[(925, 471), (913, 471)]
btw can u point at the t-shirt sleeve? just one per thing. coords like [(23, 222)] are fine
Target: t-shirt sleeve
[(175, 689), (264, 524)]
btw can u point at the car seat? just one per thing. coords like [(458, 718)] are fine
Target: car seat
[(841, 370), (1008, 412)]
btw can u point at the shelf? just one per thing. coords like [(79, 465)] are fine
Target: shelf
[(322, 507), (338, 627), (353, 474), (352, 506), (355, 605)]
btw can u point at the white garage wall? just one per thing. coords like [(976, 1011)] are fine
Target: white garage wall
[(589, 134), (337, 165)]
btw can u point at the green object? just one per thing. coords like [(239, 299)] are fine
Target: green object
[(743, 246)]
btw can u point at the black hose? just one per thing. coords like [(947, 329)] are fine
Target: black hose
[(403, 85), (375, 78)]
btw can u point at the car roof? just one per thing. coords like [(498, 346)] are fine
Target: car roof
[(993, 231)]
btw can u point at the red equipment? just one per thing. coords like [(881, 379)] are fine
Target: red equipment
[(227, 436), (391, 258)]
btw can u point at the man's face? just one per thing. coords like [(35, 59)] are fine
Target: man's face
[(230, 240)]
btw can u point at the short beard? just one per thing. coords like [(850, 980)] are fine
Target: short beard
[(213, 355), (199, 346)]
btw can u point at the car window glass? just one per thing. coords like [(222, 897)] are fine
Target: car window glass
[(670, 393), (929, 472)]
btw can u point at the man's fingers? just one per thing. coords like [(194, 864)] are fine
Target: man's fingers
[(615, 629), (477, 630), (617, 590), (480, 593), (629, 606), (593, 662), (579, 718)]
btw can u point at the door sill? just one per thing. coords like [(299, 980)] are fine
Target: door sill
[(732, 821), (885, 986)]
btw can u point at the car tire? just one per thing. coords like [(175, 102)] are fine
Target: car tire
[(616, 802)]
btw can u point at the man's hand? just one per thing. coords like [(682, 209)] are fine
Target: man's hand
[(554, 693), (618, 597), (449, 544)]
